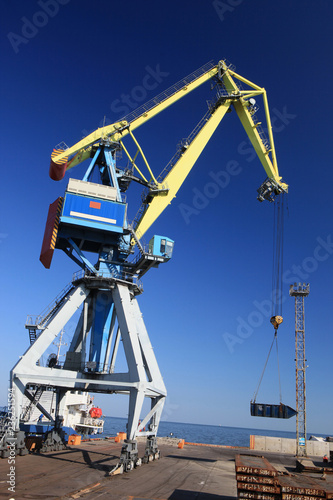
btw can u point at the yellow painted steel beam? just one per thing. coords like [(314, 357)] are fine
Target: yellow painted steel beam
[(179, 94), (244, 80), (82, 155), (143, 156), (253, 134), (91, 139), (132, 160), (250, 93), (269, 164), (180, 171), (119, 130), (270, 131)]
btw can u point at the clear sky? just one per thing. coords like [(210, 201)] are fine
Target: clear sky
[(67, 64)]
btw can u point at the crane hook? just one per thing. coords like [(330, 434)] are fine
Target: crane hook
[(276, 321)]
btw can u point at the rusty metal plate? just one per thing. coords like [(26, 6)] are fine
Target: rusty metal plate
[(263, 488), (289, 496), (255, 465), (302, 485), (246, 478), (257, 496)]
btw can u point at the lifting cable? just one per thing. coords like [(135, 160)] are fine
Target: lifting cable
[(277, 271), (277, 274)]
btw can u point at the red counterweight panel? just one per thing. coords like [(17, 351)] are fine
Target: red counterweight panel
[(57, 170), (51, 232)]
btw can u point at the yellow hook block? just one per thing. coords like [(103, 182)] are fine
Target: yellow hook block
[(276, 321)]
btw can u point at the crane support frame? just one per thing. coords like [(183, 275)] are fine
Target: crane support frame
[(299, 291), (143, 378)]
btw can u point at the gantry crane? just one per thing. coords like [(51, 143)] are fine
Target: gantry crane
[(91, 218)]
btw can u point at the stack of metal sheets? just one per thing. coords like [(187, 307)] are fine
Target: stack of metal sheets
[(256, 478), (301, 487)]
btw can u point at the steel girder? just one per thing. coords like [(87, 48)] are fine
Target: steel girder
[(143, 378)]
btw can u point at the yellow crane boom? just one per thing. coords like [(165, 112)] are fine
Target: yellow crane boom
[(162, 191)]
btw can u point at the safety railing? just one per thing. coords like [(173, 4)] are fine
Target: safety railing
[(113, 274), (185, 143), (49, 310), (168, 93), (223, 93), (91, 421)]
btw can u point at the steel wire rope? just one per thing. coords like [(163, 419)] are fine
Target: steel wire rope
[(274, 257), (277, 274), (262, 374), (278, 366), (278, 245)]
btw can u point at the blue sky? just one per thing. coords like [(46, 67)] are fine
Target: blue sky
[(68, 64)]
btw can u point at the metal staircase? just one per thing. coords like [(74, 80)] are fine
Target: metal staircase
[(40, 322), (4, 421), (32, 333), (32, 404)]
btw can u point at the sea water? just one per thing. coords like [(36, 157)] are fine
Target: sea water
[(196, 433)]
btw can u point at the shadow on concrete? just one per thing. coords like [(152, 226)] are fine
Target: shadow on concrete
[(194, 459), (197, 495), (88, 458)]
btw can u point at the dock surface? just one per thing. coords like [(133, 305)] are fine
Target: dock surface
[(82, 472)]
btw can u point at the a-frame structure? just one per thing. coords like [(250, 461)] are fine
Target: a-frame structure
[(102, 299)]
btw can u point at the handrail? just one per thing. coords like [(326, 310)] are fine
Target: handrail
[(183, 145), (122, 275), (34, 321), (144, 108)]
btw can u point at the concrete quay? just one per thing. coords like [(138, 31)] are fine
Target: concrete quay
[(285, 445), (201, 472)]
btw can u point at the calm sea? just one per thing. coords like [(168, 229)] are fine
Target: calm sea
[(196, 433)]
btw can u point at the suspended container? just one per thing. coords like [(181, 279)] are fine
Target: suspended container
[(271, 411)]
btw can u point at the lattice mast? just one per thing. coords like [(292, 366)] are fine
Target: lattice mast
[(299, 291)]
